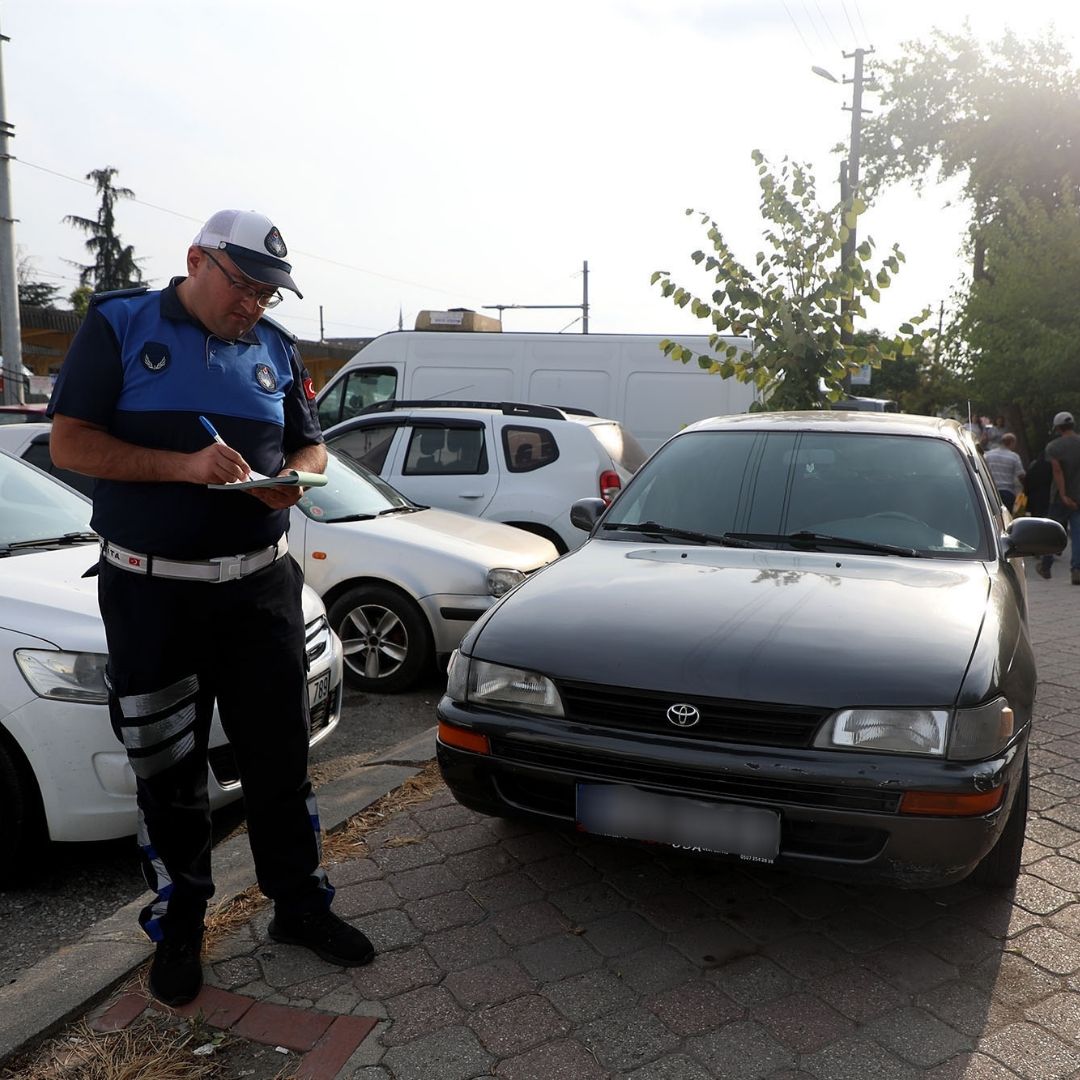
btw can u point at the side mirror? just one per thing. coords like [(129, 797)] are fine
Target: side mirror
[(586, 512), (1034, 536)]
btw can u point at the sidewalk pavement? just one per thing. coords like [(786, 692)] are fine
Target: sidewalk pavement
[(515, 951)]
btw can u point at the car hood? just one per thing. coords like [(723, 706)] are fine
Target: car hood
[(43, 594), (773, 626)]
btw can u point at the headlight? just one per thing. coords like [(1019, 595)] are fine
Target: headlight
[(501, 580), (982, 732), (64, 676), (899, 731), (477, 682)]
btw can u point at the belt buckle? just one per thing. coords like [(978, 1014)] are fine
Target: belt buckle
[(229, 566)]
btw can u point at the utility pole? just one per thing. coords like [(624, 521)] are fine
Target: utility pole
[(11, 335), (583, 307)]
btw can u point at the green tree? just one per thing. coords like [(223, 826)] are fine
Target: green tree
[(927, 382), (80, 300), (799, 304), (39, 294), (114, 265)]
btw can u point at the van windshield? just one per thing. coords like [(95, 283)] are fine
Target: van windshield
[(354, 392)]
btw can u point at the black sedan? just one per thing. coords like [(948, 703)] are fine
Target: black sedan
[(794, 638)]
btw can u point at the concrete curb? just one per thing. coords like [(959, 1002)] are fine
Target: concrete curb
[(66, 984)]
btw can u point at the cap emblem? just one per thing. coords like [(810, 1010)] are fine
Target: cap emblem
[(266, 378), (274, 244)]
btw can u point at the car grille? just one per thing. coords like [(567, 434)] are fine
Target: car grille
[(721, 720), (586, 765)]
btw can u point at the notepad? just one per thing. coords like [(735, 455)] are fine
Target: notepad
[(288, 479)]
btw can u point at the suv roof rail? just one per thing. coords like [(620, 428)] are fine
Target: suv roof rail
[(509, 408)]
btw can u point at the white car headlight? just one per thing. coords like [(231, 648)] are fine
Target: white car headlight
[(982, 732), (477, 682), (899, 731), (64, 676), (501, 580)]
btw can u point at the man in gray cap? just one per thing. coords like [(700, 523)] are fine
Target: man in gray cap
[(1063, 453), (161, 394)]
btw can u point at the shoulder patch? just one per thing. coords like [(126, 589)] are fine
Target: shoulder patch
[(116, 294), (287, 334)]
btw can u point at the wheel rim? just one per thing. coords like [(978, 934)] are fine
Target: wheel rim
[(374, 641)]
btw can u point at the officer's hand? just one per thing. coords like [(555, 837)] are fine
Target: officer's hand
[(217, 464), (279, 498)]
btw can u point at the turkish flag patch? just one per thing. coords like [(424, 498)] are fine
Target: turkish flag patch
[(309, 388)]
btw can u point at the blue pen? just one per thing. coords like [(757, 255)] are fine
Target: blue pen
[(212, 430)]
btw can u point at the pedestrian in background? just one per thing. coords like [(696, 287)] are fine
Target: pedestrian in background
[(189, 620), (995, 432), (1063, 453), (1006, 469)]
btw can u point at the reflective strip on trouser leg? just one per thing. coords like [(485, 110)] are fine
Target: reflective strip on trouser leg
[(320, 875), (155, 741), (157, 877)]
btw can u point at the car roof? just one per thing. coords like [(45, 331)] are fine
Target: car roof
[(853, 421)]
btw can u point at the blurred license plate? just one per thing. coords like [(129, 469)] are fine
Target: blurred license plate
[(628, 813), (319, 689)]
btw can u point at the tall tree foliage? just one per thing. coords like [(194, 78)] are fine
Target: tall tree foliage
[(114, 265), (798, 303)]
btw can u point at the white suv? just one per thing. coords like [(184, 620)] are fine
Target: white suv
[(523, 465)]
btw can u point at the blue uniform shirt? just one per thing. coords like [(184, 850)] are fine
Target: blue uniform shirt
[(145, 370)]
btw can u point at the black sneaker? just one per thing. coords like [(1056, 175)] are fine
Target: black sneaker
[(176, 973), (1042, 571), (329, 937)]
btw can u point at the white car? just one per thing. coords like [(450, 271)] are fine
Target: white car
[(402, 583), (63, 774), (519, 464)]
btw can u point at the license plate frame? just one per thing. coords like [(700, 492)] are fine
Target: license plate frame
[(318, 690), (628, 813)]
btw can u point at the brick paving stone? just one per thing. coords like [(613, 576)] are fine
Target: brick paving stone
[(481, 863), (120, 1013), (671, 1067), (391, 930), (287, 965), (395, 972), (451, 816), (1051, 833), (406, 856), (1014, 980), (219, 1008), (508, 828), (1060, 1014), (564, 1058), (609, 856), (489, 984), (807, 956), (693, 1008), (860, 931), (585, 997), (1033, 853), (424, 881), (968, 1008), (971, 1067), (452, 1053), (530, 922), (402, 824), (230, 974), (535, 846), (326, 1058), (627, 1039), (1067, 920), (765, 920), (742, 1050), (919, 1038), (554, 958), (803, 1023), (643, 879), (673, 910), (712, 944), (623, 932), (998, 916), (505, 891), (518, 1025), (356, 900), (656, 968), (814, 899), (957, 942), (420, 1011), (1033, 1053), (910, 967), (900, 907), (464, 946), (1059, 871), (560, 871), (282, 1025), (751, 980), (1050, 949), (584, 903), (858, 1058), (1060, 785), (858, 993), (464, 838), (320, 986), (444, 911)]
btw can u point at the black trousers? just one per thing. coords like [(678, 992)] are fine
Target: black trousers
[(175, 647)]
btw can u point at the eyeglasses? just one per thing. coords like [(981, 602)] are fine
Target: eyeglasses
[(262, 300)]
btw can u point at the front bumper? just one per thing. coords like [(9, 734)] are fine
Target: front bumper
[(839, 811)]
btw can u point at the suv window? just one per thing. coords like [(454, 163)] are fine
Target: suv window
[(368, 445), (622, 447), (356, 391), (441, 450), (528, 448)]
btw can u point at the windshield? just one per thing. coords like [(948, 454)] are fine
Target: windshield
[(34, 507), (351, 491), (778, 488)]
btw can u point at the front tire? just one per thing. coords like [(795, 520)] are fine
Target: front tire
[(21, 822), (384, 638), (1000, 866)]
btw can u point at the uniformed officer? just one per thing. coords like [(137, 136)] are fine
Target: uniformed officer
[(198, 597)]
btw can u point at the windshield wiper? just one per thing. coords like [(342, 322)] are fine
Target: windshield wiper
[(349, 517), (50, 541), (399, 510), (654, 528), (806, 538)]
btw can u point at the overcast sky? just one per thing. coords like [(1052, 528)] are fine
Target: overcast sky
[(418, 154)]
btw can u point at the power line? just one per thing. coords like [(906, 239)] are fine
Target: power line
[(858, 12), (827, 26), (813, 25), (854, 36), (797, 30)]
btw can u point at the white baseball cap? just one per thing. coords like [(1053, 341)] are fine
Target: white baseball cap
[(253, 242), (1063, 418)]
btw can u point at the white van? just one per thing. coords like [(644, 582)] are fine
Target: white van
[(624, 377)]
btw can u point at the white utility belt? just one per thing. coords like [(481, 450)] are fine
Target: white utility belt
[(214, 571)]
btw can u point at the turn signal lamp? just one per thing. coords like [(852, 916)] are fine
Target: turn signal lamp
[(947, 805), (462, 739)]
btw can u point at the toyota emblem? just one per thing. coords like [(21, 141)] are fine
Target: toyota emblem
[(683, 715)]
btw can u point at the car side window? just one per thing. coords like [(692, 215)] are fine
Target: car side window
[(438, 450), (528, 448), (367, 445)]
